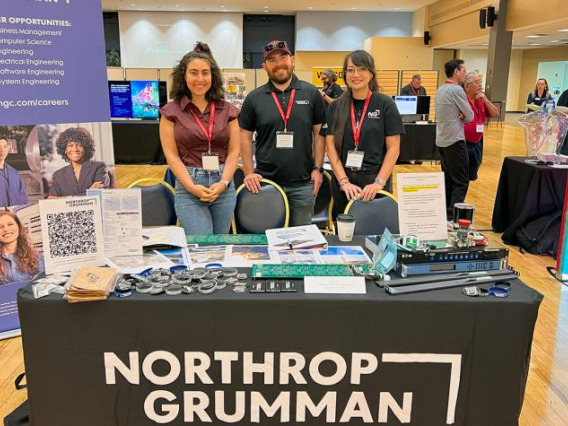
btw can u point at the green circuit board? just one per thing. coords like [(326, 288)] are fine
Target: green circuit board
[(223, 239), (269, 270)]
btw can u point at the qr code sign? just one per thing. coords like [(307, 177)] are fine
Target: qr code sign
[(71, 233)]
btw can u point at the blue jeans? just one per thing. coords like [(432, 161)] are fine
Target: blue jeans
[(199, 217), (301, 200)]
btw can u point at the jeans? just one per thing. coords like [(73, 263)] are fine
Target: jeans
[(455, 165), (199, 217), (301, 200), (475, 152)]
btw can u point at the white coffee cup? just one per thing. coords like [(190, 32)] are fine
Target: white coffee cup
[(345, 226)]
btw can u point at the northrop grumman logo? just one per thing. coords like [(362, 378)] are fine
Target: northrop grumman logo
[(301, 380), (376, 114)]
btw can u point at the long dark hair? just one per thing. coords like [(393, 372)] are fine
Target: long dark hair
[(26, 254), (216, 92), (363, 59)]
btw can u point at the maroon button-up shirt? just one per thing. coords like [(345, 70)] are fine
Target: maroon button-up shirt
[(191, 141)]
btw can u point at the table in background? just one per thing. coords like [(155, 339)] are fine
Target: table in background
[(419, 143), (137, 142), (526, 191), (64, 346)]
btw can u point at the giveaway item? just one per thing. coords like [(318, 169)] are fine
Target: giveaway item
[(463, 211), (545, 130), (345, 227), (91, 283)]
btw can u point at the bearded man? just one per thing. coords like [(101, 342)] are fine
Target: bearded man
[(286, 114)]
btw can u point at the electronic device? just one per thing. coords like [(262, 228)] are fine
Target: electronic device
[(454, 255), (412, 105), (405, 270), (137, 98)]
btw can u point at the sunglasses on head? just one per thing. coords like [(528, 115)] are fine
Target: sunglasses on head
[(544, 163), (277, 45)]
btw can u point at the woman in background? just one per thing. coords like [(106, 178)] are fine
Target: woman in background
[(19, 260), (77, 147), (200, 138), (540, 94), (363, 134)]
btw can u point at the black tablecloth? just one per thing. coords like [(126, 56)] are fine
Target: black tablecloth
[(526, 191), (65, 346), (419, 142)]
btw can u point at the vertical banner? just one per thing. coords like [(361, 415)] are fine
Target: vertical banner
[(562, 259), (52, 62), (55, 131)]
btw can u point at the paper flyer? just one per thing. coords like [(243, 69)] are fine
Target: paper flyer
[(422, 205), (72, 233)]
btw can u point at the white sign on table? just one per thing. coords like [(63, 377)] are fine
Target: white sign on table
[(422, 205)]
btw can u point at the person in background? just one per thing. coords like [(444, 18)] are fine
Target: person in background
[(331, 90), (362, 134), (481, 107), (12, 190), (540, 93), (77, 147), (452, 110), (200, 138), (563, 99), (287, 114), (19, 260), (414, 88)]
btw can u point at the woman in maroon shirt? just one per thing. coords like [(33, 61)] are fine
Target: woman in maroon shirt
[(200, 138)]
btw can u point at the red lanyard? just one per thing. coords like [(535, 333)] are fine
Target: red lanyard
[(208, 133), (450, 82), (288, 111), (329, 88), (357, 126)]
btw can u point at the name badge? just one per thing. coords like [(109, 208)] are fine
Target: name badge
[(479, 128), (354, 159), (210, 162), (285, 140)]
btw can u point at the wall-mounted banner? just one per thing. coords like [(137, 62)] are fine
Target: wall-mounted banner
[(52, 62), (316, 75)]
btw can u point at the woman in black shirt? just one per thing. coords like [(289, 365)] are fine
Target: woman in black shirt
[(362, 134)]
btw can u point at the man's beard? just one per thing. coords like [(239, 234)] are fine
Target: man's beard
[(281, 80)]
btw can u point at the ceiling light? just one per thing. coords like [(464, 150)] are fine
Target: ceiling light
[(565, 30), (555, 41), (535, 44), (534, 36), (310, 7), (353, 8)]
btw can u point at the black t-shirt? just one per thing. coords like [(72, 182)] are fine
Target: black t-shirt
[(382, 120), (259, 113), (334, 91)]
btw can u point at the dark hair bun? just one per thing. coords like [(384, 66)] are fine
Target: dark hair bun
[(202, 48)]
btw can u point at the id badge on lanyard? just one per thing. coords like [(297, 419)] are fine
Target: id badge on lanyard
[(209, 160), (479, 127), (285, 139), (355, 157)]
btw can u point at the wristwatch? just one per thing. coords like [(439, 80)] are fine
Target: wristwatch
[(380, 181), (319, 169)]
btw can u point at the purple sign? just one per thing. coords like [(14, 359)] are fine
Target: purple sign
[(9, 308), (52, 62)]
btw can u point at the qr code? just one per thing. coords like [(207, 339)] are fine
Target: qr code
[(71, 233)]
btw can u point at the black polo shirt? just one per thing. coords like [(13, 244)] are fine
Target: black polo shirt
[(259, 113), (382, 120)]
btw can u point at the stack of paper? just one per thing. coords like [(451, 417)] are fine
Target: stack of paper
[(91, 283)]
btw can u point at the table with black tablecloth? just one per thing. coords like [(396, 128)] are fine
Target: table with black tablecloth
[(419, 142), (526, 191), (425, 344)]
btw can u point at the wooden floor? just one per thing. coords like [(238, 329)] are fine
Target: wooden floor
[(546, 397)]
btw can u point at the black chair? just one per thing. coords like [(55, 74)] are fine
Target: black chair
[(239, 176), (158, 199), (372, 217), (323, 207), (255, 213)]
